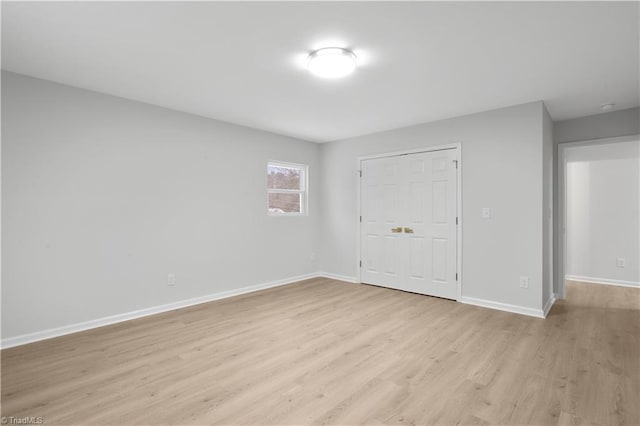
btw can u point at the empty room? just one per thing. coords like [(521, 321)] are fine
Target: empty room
[(305, 213)]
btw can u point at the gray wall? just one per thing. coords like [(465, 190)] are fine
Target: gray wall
[(607, 125), (103, 197), (502, 168), (603, 197)]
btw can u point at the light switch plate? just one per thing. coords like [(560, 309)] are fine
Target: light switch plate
[(486, 213)]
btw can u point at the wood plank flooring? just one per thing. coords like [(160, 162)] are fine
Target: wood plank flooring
[(326, 352)]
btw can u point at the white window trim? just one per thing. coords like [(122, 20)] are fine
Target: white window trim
[(304, 188)]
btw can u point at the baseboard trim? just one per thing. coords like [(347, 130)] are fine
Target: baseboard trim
[(113, 319), (605, 281), (548, 305), (338, 277), (515, 309)]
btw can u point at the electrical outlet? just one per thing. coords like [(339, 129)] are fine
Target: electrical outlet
[(620, 262), (171, 280), (524, 282)]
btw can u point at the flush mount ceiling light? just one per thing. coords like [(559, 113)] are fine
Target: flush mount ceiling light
[(331, 62)]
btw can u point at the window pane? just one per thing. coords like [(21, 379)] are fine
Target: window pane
[(284, 203), (279, 177)]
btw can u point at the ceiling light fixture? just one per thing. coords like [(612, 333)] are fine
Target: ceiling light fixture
[(331, 62)]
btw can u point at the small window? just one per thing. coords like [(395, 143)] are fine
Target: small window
[(286, 189)]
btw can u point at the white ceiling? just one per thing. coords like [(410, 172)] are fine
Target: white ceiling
[(244, 62)]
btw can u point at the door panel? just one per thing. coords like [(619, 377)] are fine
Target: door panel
[(380, 246), (439, 202), (390, 203), (417, 256), (416, 202), (391, 258), (371, 253), (439, 253), (417, 194)]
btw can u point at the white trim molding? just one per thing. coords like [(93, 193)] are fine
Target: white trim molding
[(605, 281), (24, 339), (515, 309), (338, 277), (113, 319), (548, 305)]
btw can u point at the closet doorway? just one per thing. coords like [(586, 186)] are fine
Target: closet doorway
[(410, 222)]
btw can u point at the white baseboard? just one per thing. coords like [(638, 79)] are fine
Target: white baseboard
[(548, 305), (338, 277), (605, 281), (113, 319), (538, 313)]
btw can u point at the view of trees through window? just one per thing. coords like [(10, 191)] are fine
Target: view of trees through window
[(284, 203), (283, 177), (285, 189)]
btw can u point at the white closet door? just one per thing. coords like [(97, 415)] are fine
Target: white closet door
[(408, 232), (381, 222)]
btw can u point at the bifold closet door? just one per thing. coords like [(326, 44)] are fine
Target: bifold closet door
[(408, 228)]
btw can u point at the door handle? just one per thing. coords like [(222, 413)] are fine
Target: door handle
[(396, 230), (408, 230)]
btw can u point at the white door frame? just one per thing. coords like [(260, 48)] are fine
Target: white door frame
[(561, 235), (458, 147)]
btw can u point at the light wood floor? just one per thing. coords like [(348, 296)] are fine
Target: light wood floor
[(326, 352)]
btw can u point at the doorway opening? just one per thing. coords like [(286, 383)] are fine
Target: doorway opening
[(598, 188)]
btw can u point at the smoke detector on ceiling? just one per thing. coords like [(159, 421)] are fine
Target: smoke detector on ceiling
[(607, 107)]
